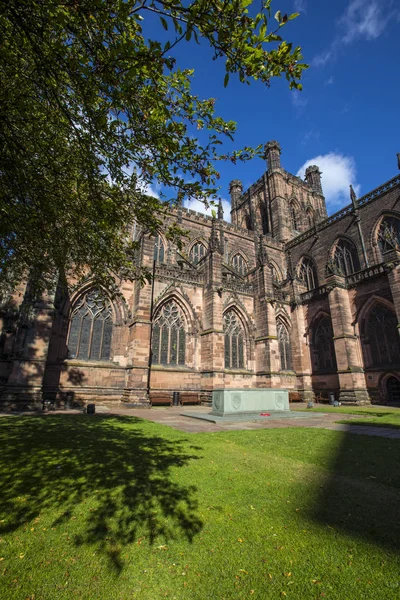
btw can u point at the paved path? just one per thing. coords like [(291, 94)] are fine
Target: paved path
[(174, 417)]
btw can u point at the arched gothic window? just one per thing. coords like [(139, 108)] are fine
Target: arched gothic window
[(284, 346), (323, 347), (169, 338), (197, 252), (382, 335), (158, 249), (234, 341), (239, 264), (90, 331), (346, 258), (310, 218), (389, 234), (275, 275), (307, 274), (294, 217)]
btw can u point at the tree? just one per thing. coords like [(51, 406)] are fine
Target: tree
[(93, 112)]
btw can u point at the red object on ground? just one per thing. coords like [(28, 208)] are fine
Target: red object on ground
[(265, 415)]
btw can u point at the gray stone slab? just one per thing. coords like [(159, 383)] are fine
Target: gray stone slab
[(251, 416), (244, 401)]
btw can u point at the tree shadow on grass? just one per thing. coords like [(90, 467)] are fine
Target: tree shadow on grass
[(58, 462), (361, 497)]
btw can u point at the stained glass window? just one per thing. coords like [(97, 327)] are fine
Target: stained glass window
[(158, 249), (324, 350), (234, 341), (307, 274), (239, 264), (346, 258), (90, 329), (168, 342), (284, 346), (383, 337), (197, 252), (389, 234)]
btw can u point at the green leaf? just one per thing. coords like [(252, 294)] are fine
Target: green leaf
[(164, 23), (226, 79)]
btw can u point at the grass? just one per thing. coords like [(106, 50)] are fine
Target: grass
[(379, 416), (101, 507)]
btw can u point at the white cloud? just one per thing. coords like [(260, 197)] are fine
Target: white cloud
[(299, 101), (300, 6), (200, 207), (362, 20), (338, 172), (329, 81)]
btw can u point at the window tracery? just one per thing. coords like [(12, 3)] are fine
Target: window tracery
[(158, 249), (197, 252), (239, 264), (234, 341), (346, 258), (169, 338), (324, 350), (382, 337), (91, 326), (389, 234), (307, 274)]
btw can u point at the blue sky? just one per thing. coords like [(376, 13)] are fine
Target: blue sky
[(346, 120)]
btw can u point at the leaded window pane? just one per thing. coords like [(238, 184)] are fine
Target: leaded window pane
[(197, 253), (107, 337), (158, 249), (156, 343), (96, 339), (227, 351), (164, 346), (74, 335), (240, 353), (307, 274), (90, 331), (383, 337), (234, 341), (324, 350), (85, 337), (284, 346), (181, 354), (346, 258), (169, 336), (174, 345), (239, 264)]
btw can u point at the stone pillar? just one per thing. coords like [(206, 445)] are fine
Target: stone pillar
[(301, 358), (25, 382), (266, 343), (235, 190), (135, 390), (313, 179), (273, 155), (212, 343), (353, 388)]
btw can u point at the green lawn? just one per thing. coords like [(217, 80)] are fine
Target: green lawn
[(381, 416), (99, 507)]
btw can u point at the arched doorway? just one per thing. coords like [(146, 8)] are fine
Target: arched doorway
[(393, 390)]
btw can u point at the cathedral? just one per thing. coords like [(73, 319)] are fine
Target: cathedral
[(283, 296)]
